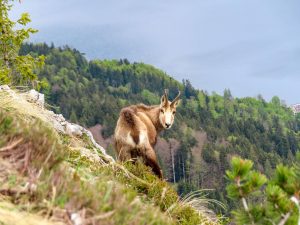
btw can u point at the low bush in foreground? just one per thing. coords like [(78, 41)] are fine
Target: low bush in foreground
[(263, 201)]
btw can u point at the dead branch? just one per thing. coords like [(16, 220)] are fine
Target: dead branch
[(11, 146)]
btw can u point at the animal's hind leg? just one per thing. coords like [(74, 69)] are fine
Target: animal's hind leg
[(124, 154), (151, 160)]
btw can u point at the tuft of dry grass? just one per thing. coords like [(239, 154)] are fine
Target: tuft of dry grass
[(190, 209), (11, 215), (200, 202)]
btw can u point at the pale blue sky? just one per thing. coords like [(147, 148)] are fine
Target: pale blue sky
[(249, 46)]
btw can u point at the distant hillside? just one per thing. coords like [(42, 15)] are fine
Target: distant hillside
[(208, 130)]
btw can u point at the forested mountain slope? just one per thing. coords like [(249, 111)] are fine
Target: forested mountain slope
[(208, 130)]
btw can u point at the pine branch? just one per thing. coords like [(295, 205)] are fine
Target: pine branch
[(284, 219), (245, 204), (297, 203)]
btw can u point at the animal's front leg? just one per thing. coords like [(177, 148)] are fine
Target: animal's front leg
[(151, 160)]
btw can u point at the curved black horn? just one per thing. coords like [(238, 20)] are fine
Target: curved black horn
[(164, 98), (176, 99), (166, 93)]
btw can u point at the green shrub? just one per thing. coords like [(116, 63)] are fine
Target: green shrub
[(264, 201)]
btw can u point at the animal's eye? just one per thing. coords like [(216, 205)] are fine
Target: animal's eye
[(162, 111), (174, 112)]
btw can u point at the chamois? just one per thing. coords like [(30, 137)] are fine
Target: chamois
[(137, 129)]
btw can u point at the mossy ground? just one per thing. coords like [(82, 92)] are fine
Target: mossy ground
[(47, 174)]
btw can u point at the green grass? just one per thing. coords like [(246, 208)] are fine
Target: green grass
[(55, 175)]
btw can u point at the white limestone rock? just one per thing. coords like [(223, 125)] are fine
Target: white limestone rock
[(76, 219), (11, 92), (59, 118), (57, 126), (51, 113), (36, 97), (102, 150), (4, 88), (73, 129)]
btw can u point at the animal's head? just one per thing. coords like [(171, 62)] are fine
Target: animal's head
[(168, 110)]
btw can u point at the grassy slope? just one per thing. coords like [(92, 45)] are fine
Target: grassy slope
[(54, 176)]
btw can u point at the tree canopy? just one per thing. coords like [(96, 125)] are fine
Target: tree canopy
[(14, 68)]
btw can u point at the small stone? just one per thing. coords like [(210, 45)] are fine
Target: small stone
[(73, 129), (57, 126), (36, 97), (63, 123), (60, 118), (76, 219), (4, 87)]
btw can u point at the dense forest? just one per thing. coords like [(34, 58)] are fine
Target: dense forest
[(93, 92)]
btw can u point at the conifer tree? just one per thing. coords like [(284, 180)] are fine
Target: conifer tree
[(274, 201)]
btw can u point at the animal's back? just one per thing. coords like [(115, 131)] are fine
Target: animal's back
[(130, 133)]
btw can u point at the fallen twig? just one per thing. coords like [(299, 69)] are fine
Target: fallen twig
[(11, 146)]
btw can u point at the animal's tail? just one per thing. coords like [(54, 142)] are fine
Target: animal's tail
[(129, 117)]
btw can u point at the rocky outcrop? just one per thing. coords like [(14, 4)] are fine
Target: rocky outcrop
[(36, 97), (58, 122)]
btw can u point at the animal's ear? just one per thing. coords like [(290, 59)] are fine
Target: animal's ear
[(164, 98), (176, 101)]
